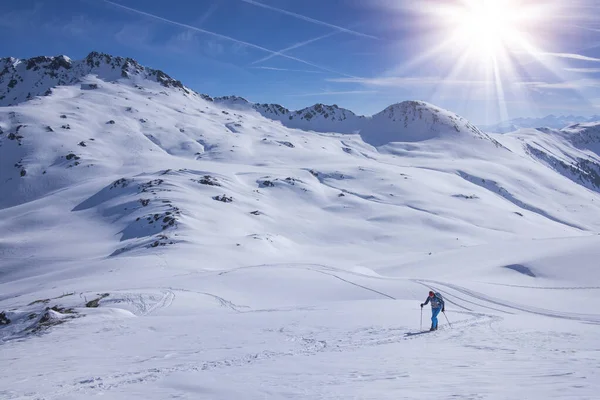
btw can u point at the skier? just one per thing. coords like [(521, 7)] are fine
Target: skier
[(437, 305)]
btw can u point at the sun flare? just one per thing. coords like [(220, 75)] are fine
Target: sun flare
[(496, 54), (487, 28)]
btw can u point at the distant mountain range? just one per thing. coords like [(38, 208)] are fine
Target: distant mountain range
[(21, 80), (549, 121)]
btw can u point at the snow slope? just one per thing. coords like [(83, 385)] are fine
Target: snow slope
[(157, 243)]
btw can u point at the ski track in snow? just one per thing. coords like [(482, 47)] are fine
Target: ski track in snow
[(544, 287), (143, 303), (308, 346), (588, 318), (223, 302)]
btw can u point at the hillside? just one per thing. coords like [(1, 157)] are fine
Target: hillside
[(158, 243)]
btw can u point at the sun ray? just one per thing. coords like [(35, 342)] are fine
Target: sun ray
[(495, 52), (422, 57), (485, 42)]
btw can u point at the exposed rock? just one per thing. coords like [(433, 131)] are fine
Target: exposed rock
[(267, 183), (89, 86), (288, 144), (96, 302), (4, 320), (207, 180), (223, 198), (119, 183)]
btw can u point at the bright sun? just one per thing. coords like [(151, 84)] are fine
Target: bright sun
[(488, 51), (486, 28)]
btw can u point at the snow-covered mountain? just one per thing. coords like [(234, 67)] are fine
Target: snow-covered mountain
[(549, 121), (159, 243), (21, 80), (408, 121)]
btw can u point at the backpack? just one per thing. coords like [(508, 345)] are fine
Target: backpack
[(439, 298)]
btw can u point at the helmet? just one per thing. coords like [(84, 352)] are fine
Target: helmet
[(431, 293)]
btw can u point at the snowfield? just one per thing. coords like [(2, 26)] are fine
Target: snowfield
[(156, 243)]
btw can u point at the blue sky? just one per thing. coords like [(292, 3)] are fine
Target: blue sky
[(362, 55)]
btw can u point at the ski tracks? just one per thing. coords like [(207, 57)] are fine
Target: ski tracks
[(222, 301), (301, 344), (482, 300), (143, 304)]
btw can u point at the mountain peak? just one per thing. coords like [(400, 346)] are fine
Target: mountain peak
[(50, 63), (415, 121), (231, 100), (21, 80)]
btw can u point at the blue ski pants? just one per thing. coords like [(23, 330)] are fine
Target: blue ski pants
[(434, 314)]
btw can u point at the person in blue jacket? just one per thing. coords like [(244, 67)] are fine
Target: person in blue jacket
[(437, 305)]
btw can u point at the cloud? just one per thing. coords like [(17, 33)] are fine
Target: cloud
[(16, 19), (567, 85), (79, 26), (208, 13), (584, 70), (305, 18), (295, 46), (571, 56), (291, 70), (396, 81), (332, 93), (587, 28), (187, 42), (224, 37), (135, 35)]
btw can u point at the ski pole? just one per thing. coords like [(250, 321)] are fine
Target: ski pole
[(421, 318), (447, 319)]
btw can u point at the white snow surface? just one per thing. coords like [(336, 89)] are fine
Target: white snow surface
[(160, 244)]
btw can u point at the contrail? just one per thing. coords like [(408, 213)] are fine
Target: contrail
[(295, 46), (305, 18), (224, 37), (286, 69)]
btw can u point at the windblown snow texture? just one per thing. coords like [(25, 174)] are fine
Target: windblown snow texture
[(161, 243)]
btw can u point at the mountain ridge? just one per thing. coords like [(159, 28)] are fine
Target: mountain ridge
[(549, 121), (22, 80)]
